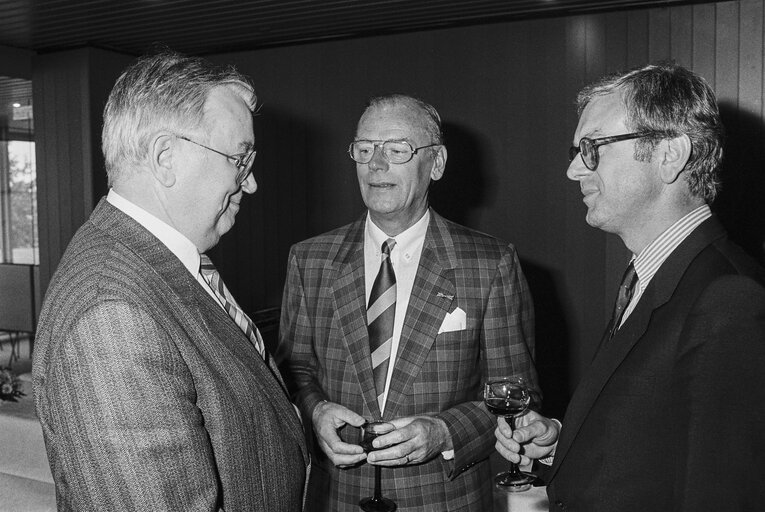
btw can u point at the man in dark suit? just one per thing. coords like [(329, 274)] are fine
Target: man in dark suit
[(153, 388), (460, 313), (670, 414)]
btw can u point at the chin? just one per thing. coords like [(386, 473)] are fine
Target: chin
[(592, 219)]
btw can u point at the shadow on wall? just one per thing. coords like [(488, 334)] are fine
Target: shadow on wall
[(552, 338), (464, 188), (741, 201)]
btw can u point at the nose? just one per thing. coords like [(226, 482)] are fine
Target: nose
[(378, 161), (249, 185), (577, 170)]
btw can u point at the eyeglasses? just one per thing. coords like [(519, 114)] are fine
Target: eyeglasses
[(588, 148), (243, 161), (394, 151)]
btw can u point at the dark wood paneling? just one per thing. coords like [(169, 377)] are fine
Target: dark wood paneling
[(215, 26), (69, 89)]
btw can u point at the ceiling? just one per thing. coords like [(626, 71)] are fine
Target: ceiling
[(215, 26)]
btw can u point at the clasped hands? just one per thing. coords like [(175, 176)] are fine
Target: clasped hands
[(535, 437), (415, 440)]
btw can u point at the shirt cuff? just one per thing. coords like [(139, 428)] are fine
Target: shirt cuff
[(448, 455)]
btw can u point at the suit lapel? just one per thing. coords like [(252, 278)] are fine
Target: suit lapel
[(613, 352), (349, 301), (432, 296), (198, 305)]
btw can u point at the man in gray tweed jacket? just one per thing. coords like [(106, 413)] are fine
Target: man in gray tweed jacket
[(151, 396)]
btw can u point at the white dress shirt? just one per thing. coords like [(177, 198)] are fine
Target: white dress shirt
[(179, 245), (405, 258)]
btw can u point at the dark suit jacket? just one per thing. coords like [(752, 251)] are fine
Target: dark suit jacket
[(324, 340), (671, 414), (150, 396)]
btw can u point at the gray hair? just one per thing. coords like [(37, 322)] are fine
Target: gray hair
[(429, 117), (165, 91), (670, 100)]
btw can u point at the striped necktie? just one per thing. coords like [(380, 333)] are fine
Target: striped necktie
[(626, 290), (380, 315), (211, 275)]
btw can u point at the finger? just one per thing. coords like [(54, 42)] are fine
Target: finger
[(503, 428), (530, 432), (392, 455), (508, 442), (510, 455), (347, 460), (397, 461), (343, 448), (402, 422), (340, 415), (393, 438)]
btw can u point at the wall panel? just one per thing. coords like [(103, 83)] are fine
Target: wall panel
[(69, 90)]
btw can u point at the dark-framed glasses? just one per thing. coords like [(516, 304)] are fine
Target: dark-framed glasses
[(242, 161), (394, 151), (588, 148)]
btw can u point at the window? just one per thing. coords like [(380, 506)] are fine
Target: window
[(18, 181)]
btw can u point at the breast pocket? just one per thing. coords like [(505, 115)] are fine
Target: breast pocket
[(451, 369)]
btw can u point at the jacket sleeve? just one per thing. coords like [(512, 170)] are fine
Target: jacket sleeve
[(295, 354), (119, 402), (506, 349)]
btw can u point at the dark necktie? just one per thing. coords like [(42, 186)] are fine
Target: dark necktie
[(211, 275), (626, 290), (381, 313)]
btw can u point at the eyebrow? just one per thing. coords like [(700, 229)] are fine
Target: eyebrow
[(400, 139), (246, 146)]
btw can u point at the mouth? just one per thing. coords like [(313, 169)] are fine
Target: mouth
[(381, 185), (233, 205), (588, 193)]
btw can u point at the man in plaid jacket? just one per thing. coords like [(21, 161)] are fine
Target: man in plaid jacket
[(463, 314)]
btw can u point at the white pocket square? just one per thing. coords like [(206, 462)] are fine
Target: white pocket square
[(454, 321)]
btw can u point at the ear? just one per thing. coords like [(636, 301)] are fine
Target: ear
[(163, 154), (673, 154), (439, 164)]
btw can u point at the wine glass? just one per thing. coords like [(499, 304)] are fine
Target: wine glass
[(509, 397), (375, 503)]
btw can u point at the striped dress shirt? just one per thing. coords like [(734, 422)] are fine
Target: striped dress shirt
[(649, 260)]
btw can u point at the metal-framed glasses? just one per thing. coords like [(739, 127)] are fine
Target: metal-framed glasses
[(394, 151), (588, 148), (242, 161)]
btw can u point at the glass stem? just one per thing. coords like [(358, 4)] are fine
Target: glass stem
[(513, 466), (378, 481)]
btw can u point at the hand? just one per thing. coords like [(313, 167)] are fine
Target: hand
[(535, 438), (327, 418), (415, 440)]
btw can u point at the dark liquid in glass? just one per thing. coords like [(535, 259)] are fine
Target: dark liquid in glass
[(366, 442), (505, 406)]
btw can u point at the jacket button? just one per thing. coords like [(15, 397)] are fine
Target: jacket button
[(560, 505)]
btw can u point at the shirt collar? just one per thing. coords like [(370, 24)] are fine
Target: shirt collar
[(406, 241), (649, 260), (178, 244)]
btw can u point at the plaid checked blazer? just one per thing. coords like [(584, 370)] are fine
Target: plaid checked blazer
[(324, 349), (149, 395)]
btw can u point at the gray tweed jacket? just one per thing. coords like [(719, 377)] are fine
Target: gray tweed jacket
[(149, 395)]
